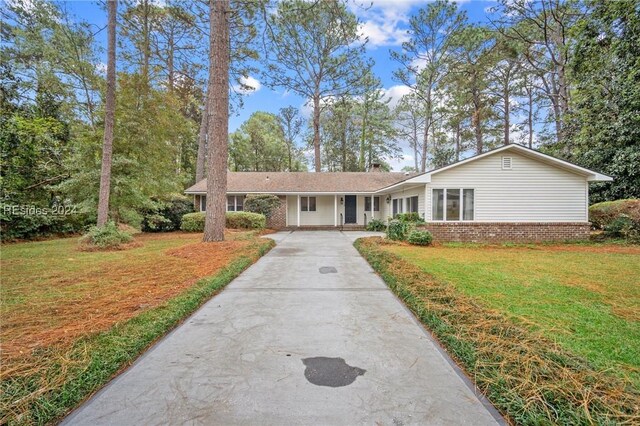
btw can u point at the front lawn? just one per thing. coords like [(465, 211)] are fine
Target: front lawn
[(551, 333), (586, 298), (72, 319)]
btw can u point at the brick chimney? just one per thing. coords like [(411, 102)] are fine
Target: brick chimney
[(375, 167)]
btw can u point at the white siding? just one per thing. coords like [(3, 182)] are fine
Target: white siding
[(322, 216), (408, 193), (531, 191)]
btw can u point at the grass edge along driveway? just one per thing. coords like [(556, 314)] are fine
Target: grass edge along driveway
[(529, 378), (48, 395)]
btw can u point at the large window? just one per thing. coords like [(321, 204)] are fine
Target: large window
[(412, 204), (452, 204), (397, 206), (235, 203), (308, 204), (367, 204), (438, 204)]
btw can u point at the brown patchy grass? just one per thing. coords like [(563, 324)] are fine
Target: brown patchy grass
[(523, 369), (53, 294)]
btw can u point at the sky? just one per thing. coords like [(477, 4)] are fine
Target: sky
[(384, 22)]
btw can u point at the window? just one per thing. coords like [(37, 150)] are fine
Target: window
[(367, 204), (235, 203), (438, 204), (203, 203), (452, 204), (308, 204), (412, 204), (467, 198), (507, 163), (397, 206)]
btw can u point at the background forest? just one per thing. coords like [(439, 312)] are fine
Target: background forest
[(561, 76)]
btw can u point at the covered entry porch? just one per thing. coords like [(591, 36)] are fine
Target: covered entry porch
[(333, 209)]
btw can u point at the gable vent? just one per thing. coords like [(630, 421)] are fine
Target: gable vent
[(507, 163)]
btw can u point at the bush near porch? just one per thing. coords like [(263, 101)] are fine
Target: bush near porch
[(194, 222), (550, 333)]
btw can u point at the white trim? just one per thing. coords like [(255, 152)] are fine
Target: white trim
[(299, 208), (461, 214), (591, 175), (335, 210)]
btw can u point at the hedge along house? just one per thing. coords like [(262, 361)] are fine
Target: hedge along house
[(511, 193)]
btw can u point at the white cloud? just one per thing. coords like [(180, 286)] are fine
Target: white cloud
[(382, 33), (398, 163), (247, 85), (384, 21), (395, 93)]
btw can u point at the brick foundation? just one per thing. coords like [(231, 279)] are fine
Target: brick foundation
[(496, 232), (278, 219)]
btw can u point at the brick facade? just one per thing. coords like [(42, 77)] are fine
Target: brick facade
[(495, 232), (278, 219)]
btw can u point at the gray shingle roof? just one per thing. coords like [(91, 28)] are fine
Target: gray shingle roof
[(283, 182)]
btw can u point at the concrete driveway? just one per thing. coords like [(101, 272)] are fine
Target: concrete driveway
[(307, 335)]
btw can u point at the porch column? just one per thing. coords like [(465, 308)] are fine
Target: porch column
[(299, 207), (335, 207), (426, 197), (372, 210)]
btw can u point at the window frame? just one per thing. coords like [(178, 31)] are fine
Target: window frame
[(462, 204), (235, 203), (410, 204), (307, 201), (376, 204), (203, 203)]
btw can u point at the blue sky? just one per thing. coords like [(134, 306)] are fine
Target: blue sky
[(385, 23)]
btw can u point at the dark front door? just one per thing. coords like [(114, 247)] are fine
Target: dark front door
[(350, 209)]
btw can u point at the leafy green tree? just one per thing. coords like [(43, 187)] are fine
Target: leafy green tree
[(604, 124), (314, 50), (260, 145), (473, 60), (292, 126)]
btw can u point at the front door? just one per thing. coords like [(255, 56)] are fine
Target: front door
[(350, 209)]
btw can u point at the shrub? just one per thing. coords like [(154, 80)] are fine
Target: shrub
[(246, 220), (624, 227), (420, 238), (602, 214), (107, 236), (398, 230), (409, 217), (193, 222), (376, 225), (264, 204), (19, 221), (165, 216)]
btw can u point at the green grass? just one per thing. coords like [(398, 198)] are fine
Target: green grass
[(56, 379), (517, 363), (587, 301)]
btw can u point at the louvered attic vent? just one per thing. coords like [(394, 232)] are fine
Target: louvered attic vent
[(506, 163)]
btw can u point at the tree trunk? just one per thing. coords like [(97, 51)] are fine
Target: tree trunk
[(363, 137), (415, 142), (109, 116), (202, 141), (457, 139), (425, 142), (146, 48), (218, 122), (530, 120), (316, 132), (507, 120)]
